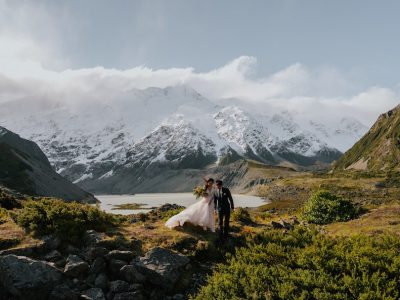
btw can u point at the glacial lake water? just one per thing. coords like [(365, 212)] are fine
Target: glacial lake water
[(158, 199)]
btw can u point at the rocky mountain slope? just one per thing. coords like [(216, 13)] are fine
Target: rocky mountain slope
[(26, 169), (379, 149), (101, 142)]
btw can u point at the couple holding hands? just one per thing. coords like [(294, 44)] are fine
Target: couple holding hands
[(218, 198)]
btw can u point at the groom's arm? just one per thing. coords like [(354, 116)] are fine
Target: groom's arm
[(230, 199), (215, 200)]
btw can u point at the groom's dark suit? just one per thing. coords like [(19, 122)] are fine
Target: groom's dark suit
[(223, 203)]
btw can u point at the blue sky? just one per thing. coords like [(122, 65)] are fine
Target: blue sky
[(322, 49)]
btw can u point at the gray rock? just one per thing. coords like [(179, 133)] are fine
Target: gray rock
[(115, 266), (99, 265), (51, 242), (101, 281), (131, 274), (129, 296), (93, 294), (162, 267), (53, 256), (93, 237), (76, 266), (62, 292), (71, 250), (27, 278), (118, 286), (276, 225), (120, 255), (94, 252)]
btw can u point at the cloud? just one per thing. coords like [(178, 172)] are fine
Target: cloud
[(36, 70)]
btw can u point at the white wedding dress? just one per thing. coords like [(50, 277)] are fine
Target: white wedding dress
[(201, 213)]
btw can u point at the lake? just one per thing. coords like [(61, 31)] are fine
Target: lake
[(158, 199)]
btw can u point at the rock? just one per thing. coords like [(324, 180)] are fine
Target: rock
[(129, 296), (294, 220), (93, 294), (27, 278), (76, 266), (286, 225), (276, 225), (93, 237), (126, 256), (51, 242), (99, 265), (61, 263), (53, 256), (62, 292), (118, 286), (101, 281), (162, 267), (178, 297), (131, 274), (115, 266), (71, 250), (95, 252)]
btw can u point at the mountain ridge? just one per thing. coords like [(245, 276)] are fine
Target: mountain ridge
[(26, 169), (101, 138), (379, 149)]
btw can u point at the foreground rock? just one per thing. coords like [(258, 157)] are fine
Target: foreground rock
[(27, 278), (75, 266), (162, 267)]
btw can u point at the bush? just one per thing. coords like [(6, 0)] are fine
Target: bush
[(242, 215), (8, 201), (324, 208), (304, 264), (67, 220), (3, 216)]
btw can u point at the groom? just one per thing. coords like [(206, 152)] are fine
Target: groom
[(223, 203)]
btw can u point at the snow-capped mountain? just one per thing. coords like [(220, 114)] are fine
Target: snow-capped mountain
[(154, 130)]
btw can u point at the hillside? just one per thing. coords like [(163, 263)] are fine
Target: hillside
[(379, 149), (26, 169)]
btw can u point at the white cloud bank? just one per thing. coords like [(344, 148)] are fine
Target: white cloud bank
[(320, 94)]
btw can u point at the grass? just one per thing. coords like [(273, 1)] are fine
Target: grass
[(128, 206), (382, 219)]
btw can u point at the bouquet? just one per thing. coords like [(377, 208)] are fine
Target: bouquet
[(199, 191)]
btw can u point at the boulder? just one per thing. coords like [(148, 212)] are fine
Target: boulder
[(162, 267), (93, 294), (53, 256), (95, 252), (93, 237), (99, 265), (126, 256), (276, 225), (76, 266), (26, 278), (118, 286), (137, 295), (51, 242), (131, 274), (63, 292), (101, 281), (115, 266)]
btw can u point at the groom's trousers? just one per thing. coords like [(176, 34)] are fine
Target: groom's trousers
[(223, 222)]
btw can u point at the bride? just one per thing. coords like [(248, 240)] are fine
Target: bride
[(201, 213)]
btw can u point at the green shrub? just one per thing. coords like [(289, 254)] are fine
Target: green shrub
[(3, 215), (304, 264), (8, 201), (67, 220), (242, 215), (170, 213), (324, 207)]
